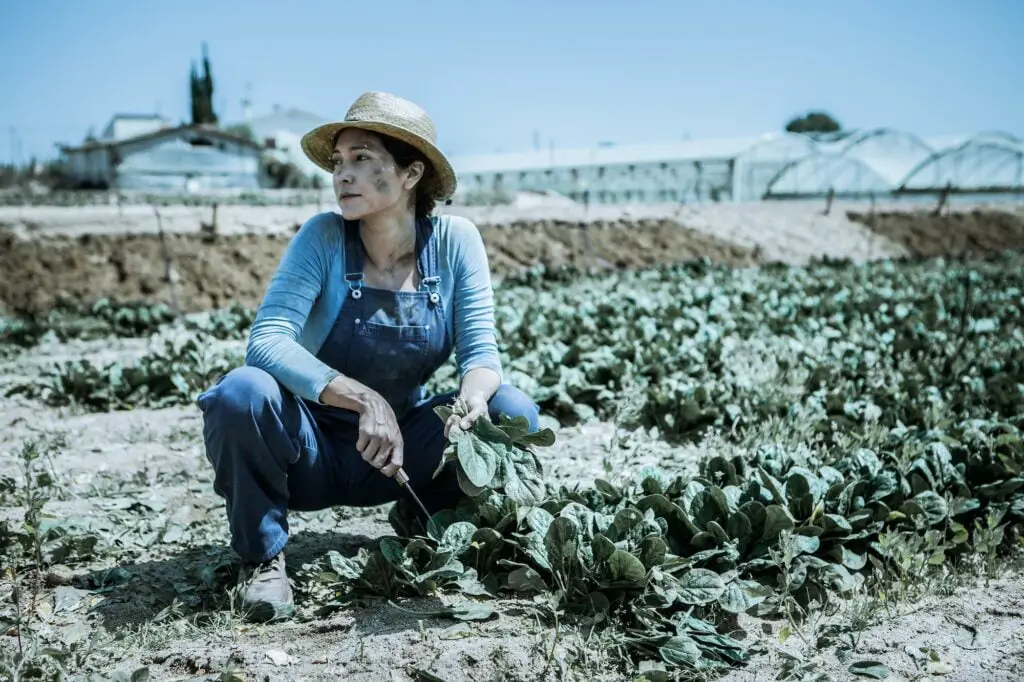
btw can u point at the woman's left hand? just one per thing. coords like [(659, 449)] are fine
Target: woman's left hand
[(477, 405)]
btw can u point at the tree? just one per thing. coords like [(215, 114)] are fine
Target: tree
[(201, 88), (814, 122)]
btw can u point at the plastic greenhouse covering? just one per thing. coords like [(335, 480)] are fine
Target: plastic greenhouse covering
[(986, 164), (874, 162)]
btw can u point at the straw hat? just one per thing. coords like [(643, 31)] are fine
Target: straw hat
[(388, 114)]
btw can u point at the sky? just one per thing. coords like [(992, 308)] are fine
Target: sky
[(498, 76)]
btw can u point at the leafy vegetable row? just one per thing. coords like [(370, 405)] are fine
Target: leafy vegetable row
[(659, 559)]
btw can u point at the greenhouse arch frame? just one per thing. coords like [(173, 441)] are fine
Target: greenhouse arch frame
[(984, 164)]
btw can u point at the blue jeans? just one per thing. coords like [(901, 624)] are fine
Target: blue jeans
[(271, 454)]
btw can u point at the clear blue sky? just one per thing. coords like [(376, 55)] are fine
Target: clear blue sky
[(492, 72)]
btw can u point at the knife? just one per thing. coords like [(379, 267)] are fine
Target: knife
[(403, 480)]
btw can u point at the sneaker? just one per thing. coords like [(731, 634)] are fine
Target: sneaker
[(268, 595)]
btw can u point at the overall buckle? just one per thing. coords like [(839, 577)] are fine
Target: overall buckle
[(355, 283), (431, 283)]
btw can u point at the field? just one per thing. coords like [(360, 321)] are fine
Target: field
[(755, 469)]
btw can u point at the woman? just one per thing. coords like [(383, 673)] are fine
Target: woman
[(361, 311)]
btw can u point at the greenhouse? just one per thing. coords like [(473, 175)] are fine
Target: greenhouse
[(860, 164), (987, 164)]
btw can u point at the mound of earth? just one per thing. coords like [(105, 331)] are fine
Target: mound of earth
[(184, 269), (600, 245), (960, 233)]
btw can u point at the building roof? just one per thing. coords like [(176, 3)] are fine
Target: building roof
[(137, 117), (207, 131), (291, 120)]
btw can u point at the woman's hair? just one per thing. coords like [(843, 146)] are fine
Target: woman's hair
[(404, 154)]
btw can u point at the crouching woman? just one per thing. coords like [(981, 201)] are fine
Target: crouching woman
[(362, 309)]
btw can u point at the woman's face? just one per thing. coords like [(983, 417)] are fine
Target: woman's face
[(366, 178)]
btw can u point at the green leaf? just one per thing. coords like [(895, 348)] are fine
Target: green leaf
[(739, 528), (836, 524), (602, 547), (757, 514), (838, 578), (720, 471), (803, 544), (626, 570), (797, 485), (525, 579), (773, 487), (610, 492), (456, 538), (849, 558), (625, 521), (740, 595), (699, 586), (470, 584), (524, 483), (439, 522), (777, 520), (653, 551), (539, 520), (393, 551), (479, 458), (464, 483), (872, 669), (543, 438), (514, 428), (472, 610), (934, 506), (680, 651), (561, 543)]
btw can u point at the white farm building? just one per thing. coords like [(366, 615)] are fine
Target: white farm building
[(146, 153), (860, 164)]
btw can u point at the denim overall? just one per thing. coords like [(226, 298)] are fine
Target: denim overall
[(273, 451), (391, 341)]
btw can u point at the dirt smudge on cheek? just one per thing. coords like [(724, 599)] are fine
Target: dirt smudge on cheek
[(380, 183)]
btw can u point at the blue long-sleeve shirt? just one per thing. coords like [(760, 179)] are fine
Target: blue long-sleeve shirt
[(308, 288)]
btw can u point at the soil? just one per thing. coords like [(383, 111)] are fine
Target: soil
[(140, 481), (960, 233), (51, 254), (81, 254), (236, 268), (152, 595)]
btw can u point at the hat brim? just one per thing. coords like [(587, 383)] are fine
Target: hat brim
[(318, 146)]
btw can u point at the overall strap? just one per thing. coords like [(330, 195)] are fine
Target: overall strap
[(353, 257), (427, 259)]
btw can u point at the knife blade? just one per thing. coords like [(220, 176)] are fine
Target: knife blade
[(403, 480)]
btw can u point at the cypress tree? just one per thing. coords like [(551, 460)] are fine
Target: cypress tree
[(201, 89), (211, 115)]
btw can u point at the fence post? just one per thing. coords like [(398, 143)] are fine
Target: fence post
[(943, 199), (208, 231), (168, 264), (829, 198)]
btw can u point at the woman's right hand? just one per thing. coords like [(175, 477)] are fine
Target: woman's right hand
[(380, 438)]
